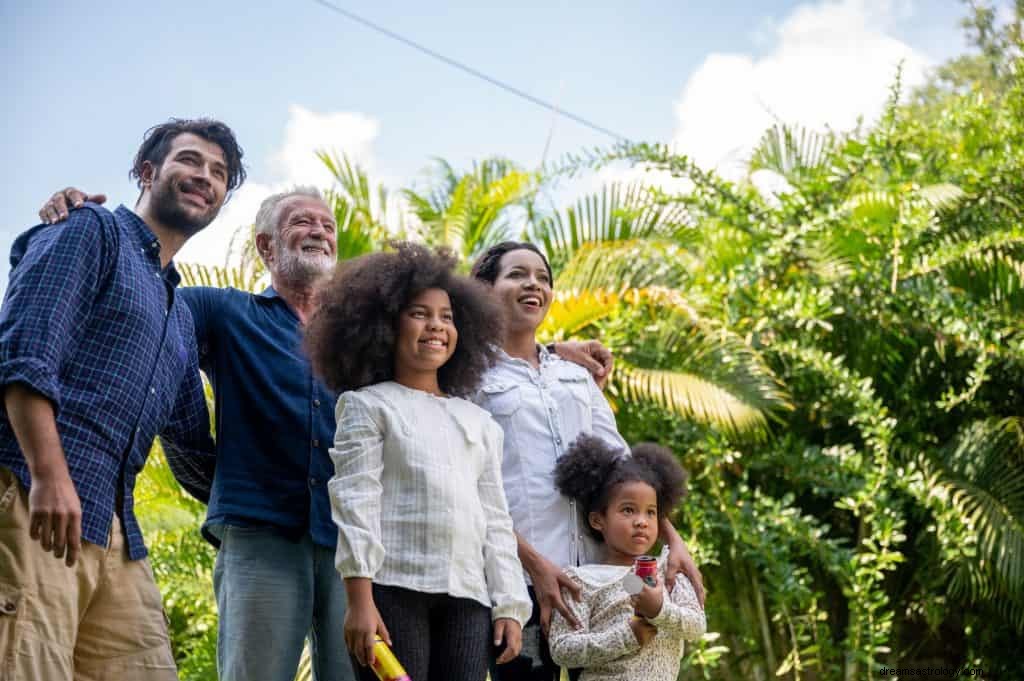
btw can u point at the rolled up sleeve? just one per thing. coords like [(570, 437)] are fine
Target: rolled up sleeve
[(355, 490)]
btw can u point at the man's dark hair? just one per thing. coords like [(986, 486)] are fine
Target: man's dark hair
[(156, 143), (351, 339), (487, 266)]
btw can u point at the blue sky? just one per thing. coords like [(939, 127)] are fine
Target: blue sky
[(85, 80)]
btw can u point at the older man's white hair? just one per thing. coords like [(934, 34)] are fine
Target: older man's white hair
[(269, 212)]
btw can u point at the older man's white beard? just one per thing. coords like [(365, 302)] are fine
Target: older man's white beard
[(300, 268)]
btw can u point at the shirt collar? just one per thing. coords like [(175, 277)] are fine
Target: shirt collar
[(146, 241), (542, 352), (269, 292)]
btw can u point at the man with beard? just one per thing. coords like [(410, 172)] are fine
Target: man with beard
[(97, 356), (269, 512)]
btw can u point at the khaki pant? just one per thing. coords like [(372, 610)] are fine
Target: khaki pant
[(101, 619)]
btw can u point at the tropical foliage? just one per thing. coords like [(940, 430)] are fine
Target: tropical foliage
[(839, 363)]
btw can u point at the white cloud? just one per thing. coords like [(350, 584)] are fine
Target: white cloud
[(294, 162), (830, 63), (308, 132)]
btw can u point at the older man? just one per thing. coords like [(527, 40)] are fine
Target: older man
[(97, 356)]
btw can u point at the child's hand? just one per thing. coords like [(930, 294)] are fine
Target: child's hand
[(507, 630), (362, 624), (643, 630), (648, 602)]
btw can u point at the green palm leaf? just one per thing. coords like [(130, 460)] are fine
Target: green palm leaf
[(792, 151), (983, 475), (689, 396), (616, 213)]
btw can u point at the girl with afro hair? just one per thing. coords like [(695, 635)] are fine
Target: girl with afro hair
[(425, 541), (628, 630)]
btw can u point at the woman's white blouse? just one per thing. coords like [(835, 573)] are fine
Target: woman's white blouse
[(418, 499), (542, 411)]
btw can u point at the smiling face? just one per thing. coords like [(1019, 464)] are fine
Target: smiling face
[(426, 333), (189, 187), (303, 247), (523, 286), (629, 524)]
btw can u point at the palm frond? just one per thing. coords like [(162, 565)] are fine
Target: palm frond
[(615, 213), (983, 475), (941, 196), (573, 311), (469, 212), (689, 396), (878, 205), (792, 151), (622, 265)]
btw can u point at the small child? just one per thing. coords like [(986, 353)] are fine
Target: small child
[(425, 541), (623, 637)]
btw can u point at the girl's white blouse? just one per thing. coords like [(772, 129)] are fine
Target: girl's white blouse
[(417, 496)]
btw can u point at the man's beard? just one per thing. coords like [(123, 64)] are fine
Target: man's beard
[(167, 209), (299, 268)]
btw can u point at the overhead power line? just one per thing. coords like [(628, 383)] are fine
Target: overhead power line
[(558, 111)]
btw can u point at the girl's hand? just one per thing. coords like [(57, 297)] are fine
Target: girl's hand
[(362, 624), (509, 631), (643, 630), (649, 601)]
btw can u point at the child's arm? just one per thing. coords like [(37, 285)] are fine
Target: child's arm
[(502, 569), (584, 648), (681, 614), (355, 490)]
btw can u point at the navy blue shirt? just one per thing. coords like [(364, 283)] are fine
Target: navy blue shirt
[(92, 322), (274, 420)]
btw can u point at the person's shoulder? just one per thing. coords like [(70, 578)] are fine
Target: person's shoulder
[(226, 295), (566, 370), (465, 407), (89, 227)]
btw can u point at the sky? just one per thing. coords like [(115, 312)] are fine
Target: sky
[(85, 80)]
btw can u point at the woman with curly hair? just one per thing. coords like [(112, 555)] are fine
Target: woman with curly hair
[(425, 541), (627, 630), (544, 403)]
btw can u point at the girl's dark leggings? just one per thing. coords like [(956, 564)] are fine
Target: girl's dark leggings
[(436, 637)]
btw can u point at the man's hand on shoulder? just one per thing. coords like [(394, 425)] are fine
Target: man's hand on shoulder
[(63, 201)]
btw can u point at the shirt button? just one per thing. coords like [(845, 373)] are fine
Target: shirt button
[(152, 391), (316, 443), (313, 482), (316, 403)]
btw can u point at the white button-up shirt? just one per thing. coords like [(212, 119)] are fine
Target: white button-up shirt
[(418, 499), (542, 411)]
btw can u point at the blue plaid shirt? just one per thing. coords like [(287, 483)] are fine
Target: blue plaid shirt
[(91, 322)]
